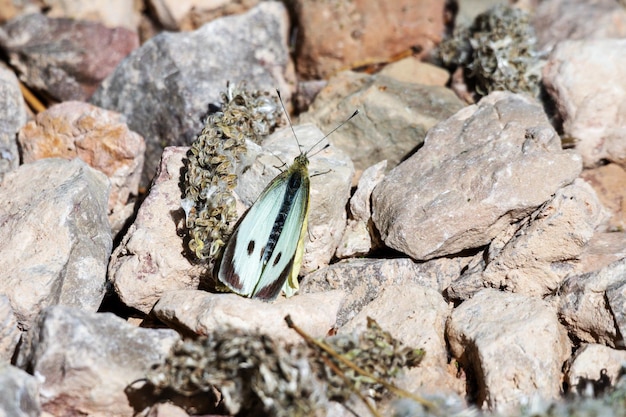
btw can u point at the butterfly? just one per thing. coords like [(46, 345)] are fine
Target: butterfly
[(264, 253)]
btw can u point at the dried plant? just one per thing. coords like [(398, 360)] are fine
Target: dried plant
[(215, 160), (497, 52)]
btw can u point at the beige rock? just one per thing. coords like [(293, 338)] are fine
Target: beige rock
[(602, 250), (557, 20), (191, 14), (587, 80), (99, 137), (339, 35), (512, 344), (544, 249), (412, 70), (358, 238), (55, 237), (92, 362), (416, 316), (595, 365), (167, 410), (486, 167), (9, 333), (204, 313), (591, 304), (364, 279), (331, 173), (151, 257), (394, 119), (13, 117), (609, 181), (114, 13)]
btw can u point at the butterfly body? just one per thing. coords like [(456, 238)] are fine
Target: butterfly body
[(264, 254)]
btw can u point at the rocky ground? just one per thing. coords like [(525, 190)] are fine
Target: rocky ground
[(475, 208)]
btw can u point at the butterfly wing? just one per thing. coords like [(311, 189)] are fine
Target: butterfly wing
[(281, 270), (241, 266)]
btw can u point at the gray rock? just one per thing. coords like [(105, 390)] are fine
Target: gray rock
[(9, 333), (394, 119), (486, 167), (164, 87), (56, 239), (66, 58), (595, 367), (592, 305), (513, 346), (87, 360), (12, 118), (19, 396)]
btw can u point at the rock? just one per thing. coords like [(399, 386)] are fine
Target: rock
[(412, 70), (167, 410), (116, 13), (358, 237), (99, 137), (12, 118), (56, 238), (203, 313), (559, 20), (545, 247), (65, 58), (602, 250), (331, 173), (364, 279), (488, 166), (394, 119), (587, 80), (336, 36), (176, 15), (87, 360), (597, 367), (416, 316), (609, 182), (591, 305), (19, 396), (9, 333), (13, 8), (164, 87), (151, 259), (513, 346)]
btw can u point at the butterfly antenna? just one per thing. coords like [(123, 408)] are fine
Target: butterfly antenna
[(332, 131), (288, 119)]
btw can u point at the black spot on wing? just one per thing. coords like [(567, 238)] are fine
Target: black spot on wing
[(271, 291), (250, 247), (277, 259), (226, 272)]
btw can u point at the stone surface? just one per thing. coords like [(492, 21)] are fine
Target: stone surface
[(87, 360), (587, 81), (609, 181), (116, 13), (544, 248), (19, 396), (394, 119), (592, 305), (12, 118), (203, 313), (164, 87), (339, 35), (364, 279), (412, 70), (56, 239), (602, 250), (559, 20), (13, 8), (486, 167), (416, 316), (331, 173), (99, 137), (595, 365), (65, 58), (151, 257), (513, 346), (191, 14), (9, 333), (358, 237)]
